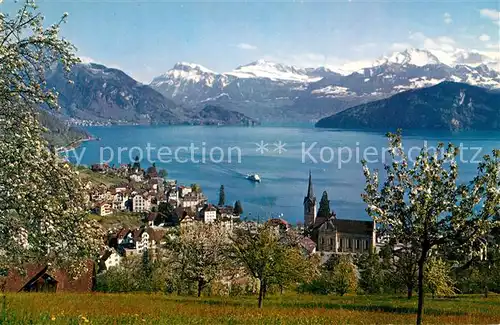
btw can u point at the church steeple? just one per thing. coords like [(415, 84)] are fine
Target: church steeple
[(310, 192), (309, 205)]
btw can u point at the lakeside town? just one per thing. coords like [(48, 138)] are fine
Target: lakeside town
[(158, 203)]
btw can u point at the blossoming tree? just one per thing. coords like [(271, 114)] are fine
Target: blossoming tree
[(42, 216), (422, 205)]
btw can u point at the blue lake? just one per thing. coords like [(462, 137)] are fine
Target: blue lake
[(211, 156)]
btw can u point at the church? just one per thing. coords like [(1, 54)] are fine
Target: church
[(333, 235)]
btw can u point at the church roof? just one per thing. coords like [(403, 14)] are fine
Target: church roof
[(347, 226), (354, 226)]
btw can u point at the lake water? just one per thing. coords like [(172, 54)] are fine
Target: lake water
[(283, 168)]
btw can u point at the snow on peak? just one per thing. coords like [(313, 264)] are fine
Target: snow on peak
[(184, 71), (186, 66), (273, 71), (411, 56)]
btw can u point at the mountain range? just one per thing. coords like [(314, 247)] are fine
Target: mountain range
[(446, 106), (260, 91), (95, 94), (275, 91)]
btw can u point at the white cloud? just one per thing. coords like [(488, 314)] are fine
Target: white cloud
[(442, 43), (493, 46), (492, 14), (447, 18), (484, 38), (246, 46)]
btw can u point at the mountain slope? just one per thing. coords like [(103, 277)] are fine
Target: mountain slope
[(215, 115), (446, 106), (58, 132), (101, 94)]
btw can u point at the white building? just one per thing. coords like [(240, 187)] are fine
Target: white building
[(141, 203), (113, 259), (120, 201), (185, 190), (209, 214), (104, 209)]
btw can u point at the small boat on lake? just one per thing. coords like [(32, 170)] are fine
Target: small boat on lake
[(254, 178)]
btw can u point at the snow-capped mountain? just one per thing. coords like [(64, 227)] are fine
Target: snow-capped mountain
[(266, 89), (261, 80), (414, 57), (189, 83), (410, 69), (273, 71)]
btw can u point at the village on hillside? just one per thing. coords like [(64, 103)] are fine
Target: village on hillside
[(156, 203)]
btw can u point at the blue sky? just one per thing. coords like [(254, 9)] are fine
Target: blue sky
[(146, 38)]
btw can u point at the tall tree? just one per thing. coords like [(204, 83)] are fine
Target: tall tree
[(196, 188), (162, 173), (371, 278), (42, 216), (166, 211), (264, 252), (200, 253), (423, 204), (344, 275), (222, 196), (324, 207), (238, 208)]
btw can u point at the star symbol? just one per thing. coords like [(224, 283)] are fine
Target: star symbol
[(280, 147), (262, 147)]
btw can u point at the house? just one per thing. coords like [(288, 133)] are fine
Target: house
[(184, 190), (120, 201), (141, 203), (110, 258), (209, 214), (173, 195), (190, 200), (120, 188), (279, 223), (100, 168), (104, 209), (154, 219), (41, 278), (122, 236), (170, 183), (185, 216), (136, 177), (100, 193), (226, 212), (226, 224), (148, 238), (308, 245)]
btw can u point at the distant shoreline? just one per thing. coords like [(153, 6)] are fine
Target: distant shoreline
[(76, 144)]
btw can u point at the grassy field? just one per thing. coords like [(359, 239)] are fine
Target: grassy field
[(98, 178), (286, 309), (119, 220)]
